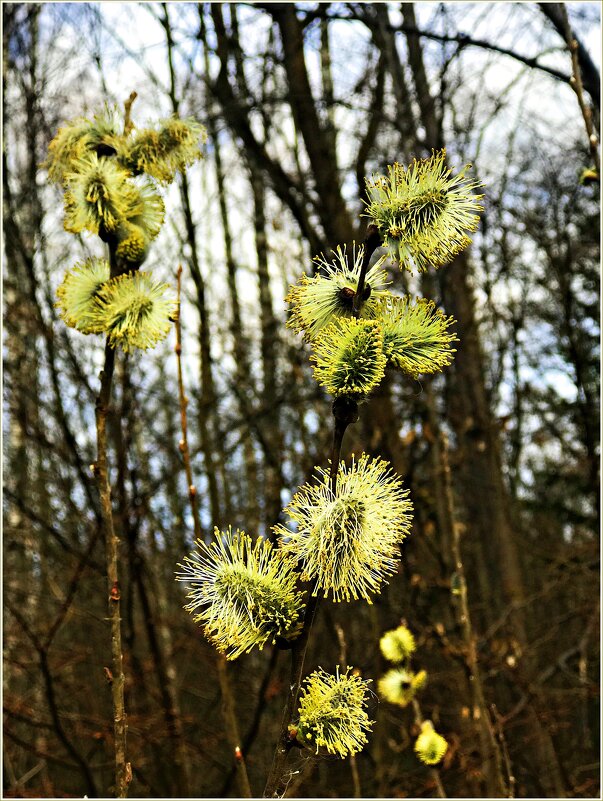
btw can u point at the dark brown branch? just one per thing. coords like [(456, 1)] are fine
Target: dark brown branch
[(122, 769), (371, 243), (183, 444), (345, 412), (577, 85), (236, 115), (464, 40), (556, 13), (336, 220), (123, 772), (375, 117), (41, 649)]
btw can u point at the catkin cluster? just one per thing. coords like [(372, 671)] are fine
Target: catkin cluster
[(110, 173), (345, 527)]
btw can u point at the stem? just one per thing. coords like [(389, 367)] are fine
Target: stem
[(285, 742), (345, 412), (577, 86), (123, 770), (372, 241), (232, 727), (511, 781)]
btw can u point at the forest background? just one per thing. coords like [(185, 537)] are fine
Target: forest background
[(301, 103)]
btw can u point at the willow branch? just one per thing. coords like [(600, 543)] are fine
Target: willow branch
[(345, 412), (371, 243), (578, 87), (123, 770), (500, 733), (122, 774)]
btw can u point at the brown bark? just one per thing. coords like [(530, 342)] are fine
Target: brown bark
[(244, 373), (375, 119), (235, 111), (554, 12), (270, 424), (330, 131), (123, 772), (273, 476), (377, 18), (480, 477), (429, 116)]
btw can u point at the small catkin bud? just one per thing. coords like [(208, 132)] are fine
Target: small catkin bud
[(419, 680), (396, 687), (397, 645), (430, 746)]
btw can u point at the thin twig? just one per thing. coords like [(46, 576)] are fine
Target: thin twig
[(500, 733), (123, 772), (260, 708), (480, 710), (371, 243), (183, 444), (578, 87), (123, 769), (460, 38), (232, 727)]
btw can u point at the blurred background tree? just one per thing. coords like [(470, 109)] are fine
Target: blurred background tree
[(302, 102)]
